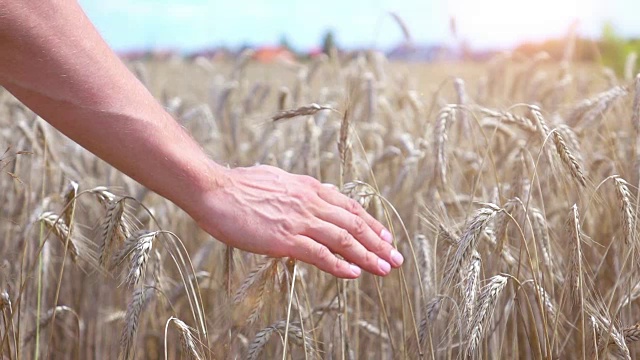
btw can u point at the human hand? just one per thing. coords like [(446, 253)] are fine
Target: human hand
[(268, 211)]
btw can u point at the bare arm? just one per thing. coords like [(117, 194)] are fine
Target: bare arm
[(54, 61)]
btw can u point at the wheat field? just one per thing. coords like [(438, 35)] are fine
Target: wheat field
[(510, 186)]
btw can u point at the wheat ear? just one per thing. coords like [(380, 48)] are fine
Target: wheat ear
[(307, 110), (468, 242), (263, 336), (628, 211), (187, 340), (60, 229), (485, 307), (132, 319), (440, 133), (108, 230)]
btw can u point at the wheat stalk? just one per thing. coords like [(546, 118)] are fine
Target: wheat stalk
[(627, 209), (60, 229), (468, 242), (69, 200), (446, 114), (425, 261), (263, 336), (187, 340), (605, 330), (502, 222), (109, 230), (586, 111), (138, 248), (470, 290), (46, 320), (344, 146), (541, 234), (568, 159), (485, 307), (306, 110), (371, 329), (635, 110), (510, 119), (631, 334), (361, 192), (575, 277), (257, 282), (132, 319)]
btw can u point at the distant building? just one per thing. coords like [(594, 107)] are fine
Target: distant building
[(315, 52), (269, 54), (423, 53), (212, 54)]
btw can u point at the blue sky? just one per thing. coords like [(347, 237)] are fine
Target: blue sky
[(192, 24)]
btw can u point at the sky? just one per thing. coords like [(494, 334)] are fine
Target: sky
[(189, 25)]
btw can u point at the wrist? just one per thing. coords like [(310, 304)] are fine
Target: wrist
[(203, 189)]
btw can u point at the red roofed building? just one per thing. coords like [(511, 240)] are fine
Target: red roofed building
[(268, 54)]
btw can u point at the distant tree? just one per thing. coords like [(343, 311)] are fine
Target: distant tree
[(328, 42), (616, 49), (453, 27), (284, 43), (612, 47)]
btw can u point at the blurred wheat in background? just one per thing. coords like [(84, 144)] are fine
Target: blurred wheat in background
[(510, 186)]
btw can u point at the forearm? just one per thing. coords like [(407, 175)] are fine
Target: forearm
[(55, 62)]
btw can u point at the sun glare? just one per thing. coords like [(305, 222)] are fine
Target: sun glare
[(507, 22)]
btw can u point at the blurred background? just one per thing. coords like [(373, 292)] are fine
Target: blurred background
[(403, 29), (476, 130)]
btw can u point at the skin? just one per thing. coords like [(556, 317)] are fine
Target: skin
[(54, 61)]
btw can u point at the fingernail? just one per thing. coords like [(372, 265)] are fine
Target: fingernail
[(355, 270), (384, 266), (386, 236), (396, 257)]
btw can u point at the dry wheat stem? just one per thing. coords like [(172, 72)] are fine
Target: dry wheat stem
[(635, 110)]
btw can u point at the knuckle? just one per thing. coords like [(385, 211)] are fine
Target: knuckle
[(345, 240), (302, 199), (338, 265), (287, 228), (371, 259), (322, 253), (308, 180), (380, 247), (353, 206), (359, 226)]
